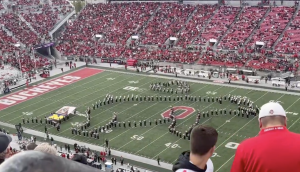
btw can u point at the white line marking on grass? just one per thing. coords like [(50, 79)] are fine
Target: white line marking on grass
[(251, 88), (110, 107), (179, 125), (132, 106), (298, 118), (239, 129), (243, 125), (51, 100), (69, 102), (256, 135), (152, 115), (55, 94)]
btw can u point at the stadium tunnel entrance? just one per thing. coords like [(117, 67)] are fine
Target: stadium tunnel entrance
[(48, 50)]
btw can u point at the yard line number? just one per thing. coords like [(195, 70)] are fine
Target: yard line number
[(137, 137), (27, 113), (129, 88), (232, 145), (133, 82), (215, 155), (171, 145), (211, 93)]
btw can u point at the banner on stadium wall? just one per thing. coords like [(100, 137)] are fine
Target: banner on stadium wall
[(104, 60), (70, 58)]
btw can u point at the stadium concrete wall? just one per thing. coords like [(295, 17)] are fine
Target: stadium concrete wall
[(96, 1)]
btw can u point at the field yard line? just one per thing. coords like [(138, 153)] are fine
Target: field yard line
[(50, 91), (51, 96), (256, 135), (113, 105), (246, 123), (179, 125), (149, 118), (225, 122), (71, 101), (180, 138), (252, 87), (298, 118), (111, 108), (142, 111)]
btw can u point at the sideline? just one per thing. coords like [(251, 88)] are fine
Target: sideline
[(233, 84)]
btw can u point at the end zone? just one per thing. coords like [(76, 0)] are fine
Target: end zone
[(45, 87)]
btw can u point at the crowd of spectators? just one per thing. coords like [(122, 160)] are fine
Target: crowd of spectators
[(290, 42), (167, 55), (131, 18), (276, 64), (7, 43), (229, 59), (218, 25), (168, 20), (243, 27), (19, 28), (272, 26), (42, 21), (195, 24), (25, 2), (154, 23)]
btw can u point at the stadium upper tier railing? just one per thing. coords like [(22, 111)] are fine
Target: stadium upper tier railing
[(35, 161)]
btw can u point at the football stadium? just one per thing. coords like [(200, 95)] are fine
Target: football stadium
[(126, 82)]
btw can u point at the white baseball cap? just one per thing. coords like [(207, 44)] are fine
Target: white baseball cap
[(271, 109)]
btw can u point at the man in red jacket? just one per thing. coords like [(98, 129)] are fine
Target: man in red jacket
[(275, 149)]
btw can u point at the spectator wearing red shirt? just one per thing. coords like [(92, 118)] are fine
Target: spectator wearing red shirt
[(275, 148)]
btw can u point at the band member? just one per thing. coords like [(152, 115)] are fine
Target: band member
[(58, 126), (115, 117)]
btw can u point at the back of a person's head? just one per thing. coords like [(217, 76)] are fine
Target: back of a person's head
[(45, 147), (203, 140), (31, 146), (4, 146), (78, 157), (272, 114)]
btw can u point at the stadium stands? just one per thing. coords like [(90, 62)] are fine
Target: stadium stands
[(131, 18), (272, 26), (7, 43), (169, 19), (241, 30), (42, 21), (290, 42), (229, 59), (195, 24), (154, 24), (218, 24), (19, 28)]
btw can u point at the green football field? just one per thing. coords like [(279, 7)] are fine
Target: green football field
[(155, 140)]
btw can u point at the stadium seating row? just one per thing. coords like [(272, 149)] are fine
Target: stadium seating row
[(154, 24)]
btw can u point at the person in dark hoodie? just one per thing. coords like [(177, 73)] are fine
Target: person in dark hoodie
[(202, 145)]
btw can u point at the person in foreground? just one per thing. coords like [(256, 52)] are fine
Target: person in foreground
[(4, 147), (203, 141), (275, 149)]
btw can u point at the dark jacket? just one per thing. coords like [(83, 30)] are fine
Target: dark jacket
[(183, 164)]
